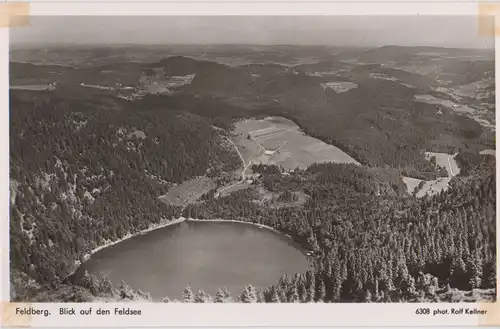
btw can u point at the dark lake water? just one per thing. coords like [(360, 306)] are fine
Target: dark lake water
[(204, 255)]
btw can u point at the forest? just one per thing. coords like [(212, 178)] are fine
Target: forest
[(384, 247), (378, 123), (396, 249), (81, 176)]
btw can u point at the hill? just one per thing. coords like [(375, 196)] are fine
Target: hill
[(460, 72), (75, 170), (391, 74), (371, 244), (380, 111), (405, 54)]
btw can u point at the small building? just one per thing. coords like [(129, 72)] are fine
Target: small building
[(267, 152)]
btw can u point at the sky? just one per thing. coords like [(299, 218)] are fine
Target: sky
[(364, 31)]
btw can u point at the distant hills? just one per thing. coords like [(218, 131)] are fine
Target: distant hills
[(373, 122)]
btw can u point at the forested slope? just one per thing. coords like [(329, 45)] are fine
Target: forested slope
[(369, 246), (80, 178), (380, 245), (87, 168)]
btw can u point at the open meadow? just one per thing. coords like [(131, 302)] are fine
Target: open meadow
[(446, 161), (432, 187), (278, 141)]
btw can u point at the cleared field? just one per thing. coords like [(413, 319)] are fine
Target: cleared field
[(411, 183), (480, 116), (489, 152), (188, 192), (340, 86), (234, 188), (438, 101), (247, 147), (431, 187), (278, 141), (445, 160), (434, 186)]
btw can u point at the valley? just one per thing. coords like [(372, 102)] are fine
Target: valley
[(361, 162)]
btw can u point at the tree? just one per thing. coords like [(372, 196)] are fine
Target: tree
[(274, 297), (126, 292), (320, 291), (227, 295), (293, 295), (90, 282), (202, 297), (219, 296), (105, 285), (248, 295), (188, 295), (475, 270), (301, 288), (310, 286)]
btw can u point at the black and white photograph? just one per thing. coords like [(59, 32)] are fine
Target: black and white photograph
[(252, 159)]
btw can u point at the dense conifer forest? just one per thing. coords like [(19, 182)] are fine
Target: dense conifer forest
[(87, 168), (79, 178), (377, 247)]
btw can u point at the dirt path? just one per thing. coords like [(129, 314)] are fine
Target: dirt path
[(255, 140), (245, 168), (236, 148), (451, 169)]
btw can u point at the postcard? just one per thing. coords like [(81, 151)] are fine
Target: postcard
[(329, 166)]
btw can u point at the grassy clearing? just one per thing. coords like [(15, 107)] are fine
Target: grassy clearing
[(234, 188), (431, 187), (288, 146), (188, 192), (247, 147), (411, 183), (445, 160), (489, 152)]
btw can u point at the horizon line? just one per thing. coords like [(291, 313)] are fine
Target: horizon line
[(31, 45)]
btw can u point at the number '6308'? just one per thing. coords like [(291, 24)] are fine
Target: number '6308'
[(423, 311)]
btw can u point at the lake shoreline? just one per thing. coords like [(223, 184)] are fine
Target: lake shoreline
[(166, 223), (289, 237), (153, 227)]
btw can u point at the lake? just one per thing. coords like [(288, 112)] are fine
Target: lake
[(208, 255)]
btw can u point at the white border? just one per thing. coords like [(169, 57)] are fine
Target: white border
[(230, 314)]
